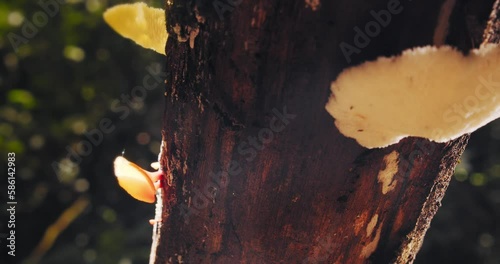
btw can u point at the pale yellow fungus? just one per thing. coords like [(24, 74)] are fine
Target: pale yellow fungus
[(144, 25)]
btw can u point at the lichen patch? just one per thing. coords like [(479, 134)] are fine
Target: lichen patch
[(386, 176), (372, 246), (371, 225)]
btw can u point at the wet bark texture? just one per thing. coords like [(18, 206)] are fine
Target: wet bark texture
[(257, 170)]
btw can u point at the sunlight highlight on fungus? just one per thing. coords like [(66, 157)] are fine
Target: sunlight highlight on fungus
[(434, 93), (136, 181), (144, 25)]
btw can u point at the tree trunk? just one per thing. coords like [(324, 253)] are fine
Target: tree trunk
[(257, 170)]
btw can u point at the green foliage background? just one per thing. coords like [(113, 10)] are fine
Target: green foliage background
[(62, 82), (53, 89)]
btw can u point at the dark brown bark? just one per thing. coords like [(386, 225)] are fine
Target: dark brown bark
[(309, 195)]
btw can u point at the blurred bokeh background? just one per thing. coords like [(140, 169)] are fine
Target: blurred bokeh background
[(61, 82), (62, 77)]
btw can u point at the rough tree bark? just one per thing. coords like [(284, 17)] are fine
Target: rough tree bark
[(307, 194)]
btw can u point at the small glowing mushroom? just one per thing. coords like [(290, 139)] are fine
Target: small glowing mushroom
[(434, 93), (139, 183), (144, 25)]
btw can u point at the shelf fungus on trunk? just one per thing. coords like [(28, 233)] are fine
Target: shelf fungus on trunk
[(429, 92), (144, 25), (139, 183)]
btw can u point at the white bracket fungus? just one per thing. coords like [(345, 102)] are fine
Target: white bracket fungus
[(144, 25), (434, 93)]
